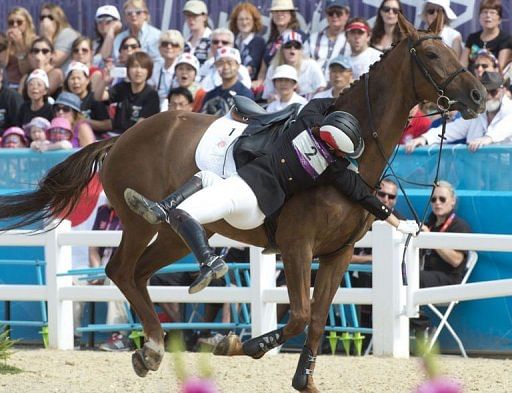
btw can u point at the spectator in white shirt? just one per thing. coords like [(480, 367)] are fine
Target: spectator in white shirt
[(325, 45), (492, 126), (285, 82), (358, 33), (340, 77)]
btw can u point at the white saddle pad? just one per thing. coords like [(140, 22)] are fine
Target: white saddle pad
[(215, 149)]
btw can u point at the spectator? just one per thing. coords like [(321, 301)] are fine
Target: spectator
[(196, 16), (246, 23), (14, 138), (108, 25), (187, 67), (484, 61), (491, 37), (36, 129), (220, 100), (386, 30), (55, 27), (358, 33), (58, 136), (81, 50), (180, 99), (208, 73), (285, 82), (340, 77), (135, 99), (10, 104), (325, 45), (95, 112), (35, 96), (171, 46), (283, 19), (4, 53), (67, 105), (138, 18), (492, 126), (20, 34), (418, 123), (451, 37), (41, 57), (311, 77)]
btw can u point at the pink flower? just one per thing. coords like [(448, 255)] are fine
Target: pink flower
[(440, 385), (199, 385)]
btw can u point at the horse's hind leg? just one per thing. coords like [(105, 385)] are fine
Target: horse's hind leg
[(327, 282)]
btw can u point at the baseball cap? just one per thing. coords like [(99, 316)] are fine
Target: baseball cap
[(289, 36), (188, 58), (492, 80), (337, 4), (107, 10), (68, 99), (358, 26), (285, 71), (228, 52), (38, 73), (343, 61), (196, 7), (76, 65)]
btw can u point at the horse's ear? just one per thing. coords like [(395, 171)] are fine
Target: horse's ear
[(406, 27), (437, 24)]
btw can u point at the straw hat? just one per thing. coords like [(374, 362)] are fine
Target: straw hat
[(282, 5)]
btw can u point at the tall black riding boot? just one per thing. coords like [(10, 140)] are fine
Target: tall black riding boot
[(158, 212), (194, 236)]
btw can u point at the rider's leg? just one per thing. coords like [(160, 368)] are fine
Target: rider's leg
[(158, 212)]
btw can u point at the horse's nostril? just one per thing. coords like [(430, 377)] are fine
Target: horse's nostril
[(476, 96)]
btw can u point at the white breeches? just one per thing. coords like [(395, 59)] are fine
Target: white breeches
[(230, 199)]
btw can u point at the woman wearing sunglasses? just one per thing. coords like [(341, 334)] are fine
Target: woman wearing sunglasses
[(20, 34), (41, 57), (54, 25), (386, 30), (451, 37), (443, 266)]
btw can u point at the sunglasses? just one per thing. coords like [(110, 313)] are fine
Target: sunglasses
[(131, 12), (387, 9), (432, 11), (223, 42), (166, 44), (383, 194), (43, 17), (36, 51), (15, 22), (130, 46), (434, 199), (483, 65), (292, 44), (337, 13), (61, 108), (82, 50), (105, 19)]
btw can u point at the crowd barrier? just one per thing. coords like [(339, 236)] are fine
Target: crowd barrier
[(393, 302)]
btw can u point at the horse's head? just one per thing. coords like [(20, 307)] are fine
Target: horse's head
[(437, 75)]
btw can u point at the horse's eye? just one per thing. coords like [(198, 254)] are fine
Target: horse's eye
[(432, 55)]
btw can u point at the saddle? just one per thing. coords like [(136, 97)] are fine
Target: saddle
[(247, 108)]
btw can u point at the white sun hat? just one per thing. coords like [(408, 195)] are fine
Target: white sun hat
[(445, 5), (285, 71)]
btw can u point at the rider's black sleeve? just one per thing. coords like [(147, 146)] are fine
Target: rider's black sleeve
[(352, 186), (313, 113)]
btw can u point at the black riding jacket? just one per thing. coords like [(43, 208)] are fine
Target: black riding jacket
[(298, 160)]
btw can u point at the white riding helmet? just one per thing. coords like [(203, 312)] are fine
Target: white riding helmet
[(341, 131)]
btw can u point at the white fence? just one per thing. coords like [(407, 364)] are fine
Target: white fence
[(393, 303)]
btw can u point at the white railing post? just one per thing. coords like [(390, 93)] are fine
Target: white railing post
[(60, 312), (263, 276), (413, 278), (390, 326)]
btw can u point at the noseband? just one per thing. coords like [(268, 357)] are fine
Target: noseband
[(443, 102)]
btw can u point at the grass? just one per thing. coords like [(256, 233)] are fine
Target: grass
[(6, 345)]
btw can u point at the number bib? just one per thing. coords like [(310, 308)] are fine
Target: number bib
[(313, 156)]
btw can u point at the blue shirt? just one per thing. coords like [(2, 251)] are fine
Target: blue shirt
[(219, 101), (149, 38)]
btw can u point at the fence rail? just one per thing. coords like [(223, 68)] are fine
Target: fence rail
[(393, 302)]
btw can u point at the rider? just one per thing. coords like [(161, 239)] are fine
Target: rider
[(311, 151)]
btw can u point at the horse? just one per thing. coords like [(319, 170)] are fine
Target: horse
[(156, 156)]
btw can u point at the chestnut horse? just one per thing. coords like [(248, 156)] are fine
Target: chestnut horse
[(157, 155)]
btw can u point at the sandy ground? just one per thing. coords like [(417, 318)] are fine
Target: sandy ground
[(94, 371)]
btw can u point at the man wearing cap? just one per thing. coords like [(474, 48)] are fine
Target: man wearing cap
[(219, 100), (108, 25), (492, 126), (285, 81), (358, 33), (196, 15), (324, 45), (10, 103), (340, 77)]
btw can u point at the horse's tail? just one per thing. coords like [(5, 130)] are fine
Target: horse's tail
[(59, 191)]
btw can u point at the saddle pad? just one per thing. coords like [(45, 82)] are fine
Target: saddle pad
[(215, 149)]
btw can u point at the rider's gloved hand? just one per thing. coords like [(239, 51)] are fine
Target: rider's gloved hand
[(408, 227)]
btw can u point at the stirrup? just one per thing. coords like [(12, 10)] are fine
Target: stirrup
[(151, 211), (214, 268)]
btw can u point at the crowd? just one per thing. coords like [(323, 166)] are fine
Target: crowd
[(62, 90)]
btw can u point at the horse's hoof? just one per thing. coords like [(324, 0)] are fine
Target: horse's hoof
[(152, 355), (138, 365), (229, 346)]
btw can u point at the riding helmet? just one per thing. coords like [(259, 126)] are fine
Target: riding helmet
[(341, 131)]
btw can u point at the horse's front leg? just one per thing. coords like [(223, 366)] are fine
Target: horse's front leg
[(327, 282), (297, 266)]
